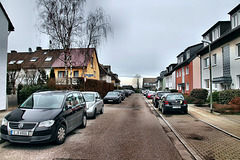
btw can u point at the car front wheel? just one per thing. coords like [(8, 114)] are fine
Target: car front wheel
[(60, 134), (163, 110), (84, 121), (101, 112)]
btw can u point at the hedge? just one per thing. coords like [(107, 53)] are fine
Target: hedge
[(227, 95), (199, 94)]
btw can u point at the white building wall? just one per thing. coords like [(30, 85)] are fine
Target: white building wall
[(174, 80), (3, 59), (107, 78), (217, 70), (234, 64)]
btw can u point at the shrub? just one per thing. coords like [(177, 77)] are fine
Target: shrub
[(200, 94), (190, 100), (27, 90), (199, 102), (226, 96), (235, 101), (226, 108)]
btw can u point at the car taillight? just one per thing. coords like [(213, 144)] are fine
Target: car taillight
[(185, 102), (166, 102), (157, 97)]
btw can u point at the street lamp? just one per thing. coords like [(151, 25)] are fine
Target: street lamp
[(210, 72)]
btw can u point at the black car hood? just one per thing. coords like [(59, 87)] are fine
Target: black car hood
[(32, 115)]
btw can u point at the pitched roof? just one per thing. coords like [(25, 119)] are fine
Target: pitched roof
[(56, 58), (77, 56), (10, 25)]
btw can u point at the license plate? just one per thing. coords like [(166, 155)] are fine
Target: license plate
[(110, 100), (20, 133), (176, 107)]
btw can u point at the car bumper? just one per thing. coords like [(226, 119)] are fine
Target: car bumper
[(177, 108), (111, 101), (90, 112), (39, 135)]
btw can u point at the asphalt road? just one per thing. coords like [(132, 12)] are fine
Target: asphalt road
[(125, 131)]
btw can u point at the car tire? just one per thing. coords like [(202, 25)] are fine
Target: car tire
[(163, 110), (84, 121), (60, 134), (102, 110), (94, 114)]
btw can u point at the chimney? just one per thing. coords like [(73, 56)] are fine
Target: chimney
[(13, 51), (29, 50), (38, 48)]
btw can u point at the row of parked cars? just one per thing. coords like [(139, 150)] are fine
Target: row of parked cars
[(166, 101), (117, 96), (49, 116)]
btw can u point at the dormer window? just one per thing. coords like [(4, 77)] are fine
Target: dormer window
[(11, 62), (48, 59), (188, 54), (235, 19), (34, 59), (19, 61), (207, 38), (216, 33)]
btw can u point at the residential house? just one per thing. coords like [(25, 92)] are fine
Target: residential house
[(149, 83), (28, 64), (170, 78), (187, 69), (6, 27), (161, 83), (225, 54), (107, 75)]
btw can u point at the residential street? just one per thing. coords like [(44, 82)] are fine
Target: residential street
[(125, 131)]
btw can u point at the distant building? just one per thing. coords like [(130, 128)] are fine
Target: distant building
[(149, 83), (130, 87), (170, 78), (5, 28), (161, 83), (107, 75)]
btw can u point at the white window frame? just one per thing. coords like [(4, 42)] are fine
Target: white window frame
[(187, 86), (177, 74), (19, 61), (235, 20), (187, 70), (12, 62), (238, 50), (180, 73), (206, 62), (188, 54), (216, 33), (75, 74), (61, 74), (34, 59), (48, 59), (214, 57)]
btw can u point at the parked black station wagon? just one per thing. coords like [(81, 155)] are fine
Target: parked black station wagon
[(45, 117)]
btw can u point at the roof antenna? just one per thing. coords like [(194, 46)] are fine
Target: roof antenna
[(50, 44)]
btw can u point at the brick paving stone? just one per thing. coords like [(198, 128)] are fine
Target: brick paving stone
[(207, 141)]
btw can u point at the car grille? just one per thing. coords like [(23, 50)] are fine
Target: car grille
[(15, 125)]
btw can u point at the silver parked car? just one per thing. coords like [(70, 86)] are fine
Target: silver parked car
[(94, 103)]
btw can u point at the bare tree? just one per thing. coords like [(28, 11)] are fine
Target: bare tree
[(137, 80), (97, 28), (63, 21), (13, 73)]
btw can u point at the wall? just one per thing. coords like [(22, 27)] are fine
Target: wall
[(196, 73), (234, 64), (3, 59)]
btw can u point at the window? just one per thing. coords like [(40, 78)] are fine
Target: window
[(214, 59), (238, 50), (76, 74), (187, 70), (177, 73), (34, 59), (91, 62), (19, 61), (188, 54), (236, 19), (187, 86), (207, 83), (216, 33), (11, 62), (179, 87), (48, 59), (238, 81), (215, 85), (180, 73), (61, 74), (206, 62)]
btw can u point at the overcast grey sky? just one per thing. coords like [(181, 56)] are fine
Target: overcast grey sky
[(148, 34)]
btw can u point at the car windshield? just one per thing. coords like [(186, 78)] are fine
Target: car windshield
[(160, 94), (89, 97), (151, 92), (112, 94), (175, 97), (43, 101)]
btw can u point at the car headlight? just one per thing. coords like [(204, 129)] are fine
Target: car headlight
[(4, 122), (48, 123)]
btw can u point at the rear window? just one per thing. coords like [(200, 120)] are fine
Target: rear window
[(175, 97)]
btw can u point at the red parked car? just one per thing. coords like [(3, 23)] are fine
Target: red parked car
[(150, 94)]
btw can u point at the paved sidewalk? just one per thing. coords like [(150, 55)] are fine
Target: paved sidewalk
[(227, 123)]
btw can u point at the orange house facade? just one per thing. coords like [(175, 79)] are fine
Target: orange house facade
[(188, 76)]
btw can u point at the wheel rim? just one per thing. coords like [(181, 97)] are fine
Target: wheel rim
[(61, 134), (84, 120)]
